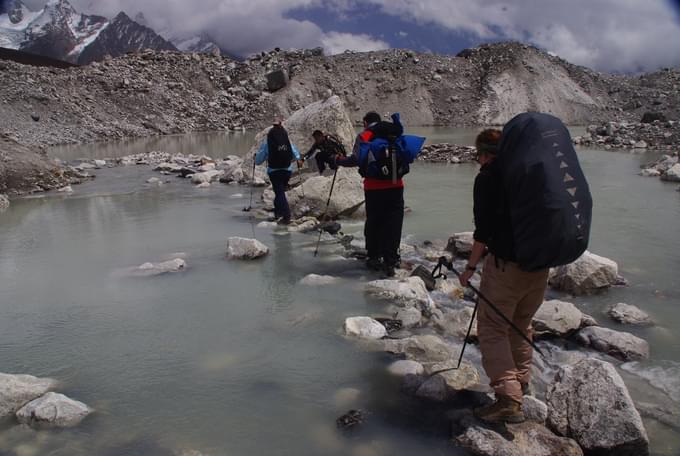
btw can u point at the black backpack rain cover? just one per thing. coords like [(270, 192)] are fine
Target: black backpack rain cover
[(280, 152), (544, 192)]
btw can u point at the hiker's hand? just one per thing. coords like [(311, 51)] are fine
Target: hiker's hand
[(300, 162), (465, 277)]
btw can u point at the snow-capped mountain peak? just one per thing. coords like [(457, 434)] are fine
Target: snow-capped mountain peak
[(60, 32)]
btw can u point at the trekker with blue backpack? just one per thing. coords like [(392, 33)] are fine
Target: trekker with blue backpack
[(532, 211), (383, 155), (279, 153)]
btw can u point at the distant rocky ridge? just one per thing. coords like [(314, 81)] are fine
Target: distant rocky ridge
[(152, 93), (58, 31)]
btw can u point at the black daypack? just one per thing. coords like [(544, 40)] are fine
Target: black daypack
[(336, 145), (544, 192), (280, 151)]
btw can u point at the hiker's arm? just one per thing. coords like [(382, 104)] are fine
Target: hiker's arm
[(478, 249), (352, 160), (483, 224), (296, 152), (261, 155), (311, 151)]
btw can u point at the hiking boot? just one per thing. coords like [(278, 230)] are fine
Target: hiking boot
[(374, 264), (283, 221), (526, 389), (504, 410), (389, 270)]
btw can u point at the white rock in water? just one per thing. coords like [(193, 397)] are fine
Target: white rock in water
[(640, 145), (408, 291), (314, 280), (365, 327), (409, 316), (100, 163), (405, 367), (557, 317), (207, 176), (673, 174), (153, 269), (67, 189), (629, 315), (650, 172), (203, 185), (239, 248), (622, 345), (456, 323), (207, 167), (465, 377), (590, 403), (422, 348), (266, 224), (587, 274), (154, 181), (236, 196), (4, 202), (53, 409), (17, 390)]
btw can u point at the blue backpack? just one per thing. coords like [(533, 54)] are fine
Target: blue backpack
[(389, 158)]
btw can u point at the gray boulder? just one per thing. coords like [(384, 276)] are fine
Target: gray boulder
[(206, 177), (239, 248), (525, 439), (588, 274), (455, 323), (557, 318), (534, 409), (18, 390), (364, 327), (629, 315), (590, 403), (4, 202), (622, 345), (311, 197), (463, 378), (53, 409), (460, 244), (276, 80)]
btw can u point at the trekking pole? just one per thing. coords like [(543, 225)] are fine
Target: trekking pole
[(302, 187), (436, 273), (465, 341), (252, 185), (328, 202)]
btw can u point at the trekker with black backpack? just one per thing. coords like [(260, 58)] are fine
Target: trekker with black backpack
[(532, 211), (325, 148), (279, 153), (383, 154)]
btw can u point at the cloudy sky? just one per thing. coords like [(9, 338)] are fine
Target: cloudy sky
[(610, 35)]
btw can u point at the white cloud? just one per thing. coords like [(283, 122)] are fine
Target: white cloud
[(402, 34), (336, 43), (618, 35)]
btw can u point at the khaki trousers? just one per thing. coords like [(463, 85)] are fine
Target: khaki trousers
[(506, 356)]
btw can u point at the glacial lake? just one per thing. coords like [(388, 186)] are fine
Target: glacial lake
[(231, 358)]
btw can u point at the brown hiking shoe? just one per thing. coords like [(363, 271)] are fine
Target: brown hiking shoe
[(504, 410)]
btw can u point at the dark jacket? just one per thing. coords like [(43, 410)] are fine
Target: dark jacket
[(492, 221)]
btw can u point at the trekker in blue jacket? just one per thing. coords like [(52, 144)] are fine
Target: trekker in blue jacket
[(279, 153)]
